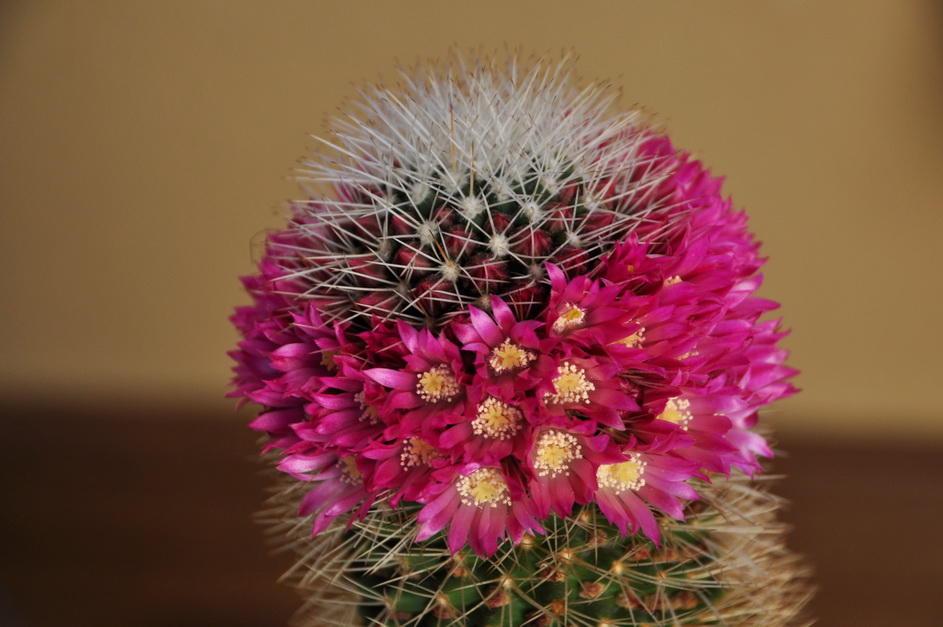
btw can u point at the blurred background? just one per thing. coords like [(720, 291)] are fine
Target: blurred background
[(143, 145)]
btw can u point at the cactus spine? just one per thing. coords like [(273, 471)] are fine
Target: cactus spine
[(726, 564), (510, 367)]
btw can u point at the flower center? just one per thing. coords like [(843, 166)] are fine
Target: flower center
[(369, 412), (509, 356), (634, 340), (327, 359), (417, 452), (554, 452), (485, 486), (571, 386), (496, 420), (622, 476), (349, 473), (570, 316), (677, 412), (437, 384)]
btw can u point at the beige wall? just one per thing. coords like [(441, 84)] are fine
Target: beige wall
[(144, 143)]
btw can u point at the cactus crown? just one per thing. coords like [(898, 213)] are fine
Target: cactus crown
[(463, 187), (522, 328)]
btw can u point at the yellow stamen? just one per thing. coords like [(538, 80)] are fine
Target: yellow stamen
[(485, 486), (369, 412), (509, 357), (677, 412), (570, 316), (496, 420), (437, 384), (570, 386), (417, 452), (623, 476), (633, 341), (327, 359), (553, 453), (349, 472)]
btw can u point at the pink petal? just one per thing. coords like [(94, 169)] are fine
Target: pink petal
[(460, 526), (485, 326), (393, 379)]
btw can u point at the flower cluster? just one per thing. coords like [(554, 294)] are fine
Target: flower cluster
[(502, 351)]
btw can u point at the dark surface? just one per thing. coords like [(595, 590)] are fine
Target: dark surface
[(870, 518), (145, 521)]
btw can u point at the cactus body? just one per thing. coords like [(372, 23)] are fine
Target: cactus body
[(511, 364), (727, 564)]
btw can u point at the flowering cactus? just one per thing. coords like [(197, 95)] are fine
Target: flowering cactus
[(510, 365)]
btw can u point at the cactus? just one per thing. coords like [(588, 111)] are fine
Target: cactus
[(725, 565), (510, 365)]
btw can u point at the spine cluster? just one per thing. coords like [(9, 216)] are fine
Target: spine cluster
[(513, 314)]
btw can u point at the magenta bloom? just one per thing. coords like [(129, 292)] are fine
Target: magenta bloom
[(404, 466), (479, 507), (490, 429), (583, 312), (557, 313), (338, 488), (508, 353), (588, 387), (345, 411), (430, 384), (266, 327), (563, 465), (627, 488)]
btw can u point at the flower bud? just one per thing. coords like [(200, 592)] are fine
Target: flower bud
[(433, 294), (534, 243), (367, 270), (417, 264), (378, 303), (487, 273), (458, 243)]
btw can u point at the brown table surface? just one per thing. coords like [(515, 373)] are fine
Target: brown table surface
[(145, 521)]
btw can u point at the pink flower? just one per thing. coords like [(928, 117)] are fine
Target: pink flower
[(699, 422), (480, 506), (311, 356), (346, 411), (489, 429), (504, 342), (338, 486), (588, 387), (508, 353), (627, 488), (404, 466), (584, 312), (562, 466), (266, 326), (429, 385)]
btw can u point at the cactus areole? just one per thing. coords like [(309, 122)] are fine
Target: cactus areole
[(509, 362)]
